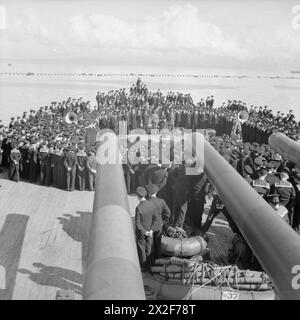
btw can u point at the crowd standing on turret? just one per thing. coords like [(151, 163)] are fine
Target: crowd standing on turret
[(44, 147)]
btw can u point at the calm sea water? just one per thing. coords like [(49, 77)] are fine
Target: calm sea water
[(18, 93)]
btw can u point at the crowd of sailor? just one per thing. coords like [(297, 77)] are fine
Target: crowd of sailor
[(44, 148)]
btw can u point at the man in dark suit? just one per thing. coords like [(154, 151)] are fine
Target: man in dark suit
[(188, 121), (43, 155), (81, 167), (14, 172), (70, 163), (180, 184), (6, 148), (48, 166), (197, 198), (92, 169), (162, 214), (33, 161), (145, 220), (271, 177), (25, 162), (286, 192)]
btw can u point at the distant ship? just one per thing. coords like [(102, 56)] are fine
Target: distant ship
[(295, 71), (29, 73)]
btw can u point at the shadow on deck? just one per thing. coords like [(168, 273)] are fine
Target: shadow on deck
[(76, 227), (55, 277)]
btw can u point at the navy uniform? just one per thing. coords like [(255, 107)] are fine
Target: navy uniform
[(60, 168), (258, 163), (43, 155), (271, 178), (33, 163), (15, 159), (197, 198), (286, 193), (162, 214), (6, 147), (25, 161), (145, 224), (188, 121), (247, 174), (282, 211), (140, 170), (48, 168), (70, 162), (81, 168), (260, 184), (180, 184), (53, 159), (92, 170), (155, 120)]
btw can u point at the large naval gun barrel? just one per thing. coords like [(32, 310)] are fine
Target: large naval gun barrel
[(113, 270), (287, 147), (274, 242)]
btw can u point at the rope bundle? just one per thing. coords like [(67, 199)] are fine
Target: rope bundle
[(176, 232), (196, 272)]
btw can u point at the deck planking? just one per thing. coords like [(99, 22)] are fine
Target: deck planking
[(44, 235)]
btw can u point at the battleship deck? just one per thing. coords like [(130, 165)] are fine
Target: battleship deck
[(44, 235)]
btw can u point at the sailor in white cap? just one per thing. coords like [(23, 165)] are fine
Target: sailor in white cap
[(14, 170)]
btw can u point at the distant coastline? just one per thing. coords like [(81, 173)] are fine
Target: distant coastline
[(131, 74)]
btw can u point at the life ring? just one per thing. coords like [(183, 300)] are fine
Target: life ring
[(183, 247)]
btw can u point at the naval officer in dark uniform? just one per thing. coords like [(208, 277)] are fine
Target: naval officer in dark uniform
[(248, 172), (162, 214), (197, 198), (145, 221), (33, 162), (286, 192), (260, 184), (43, 155), (81, 167), (25, 161), (14, 170), (92, 169), (70, 163), (271, 177)]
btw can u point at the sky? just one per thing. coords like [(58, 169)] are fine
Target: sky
[(229, 33)]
